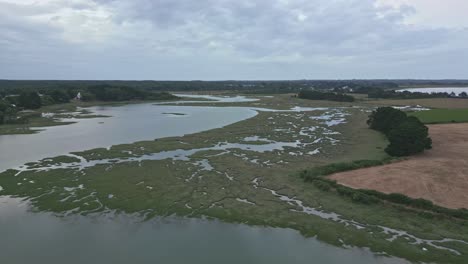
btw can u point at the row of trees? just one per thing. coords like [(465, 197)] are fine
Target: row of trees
[(34, 99), (19, 99), (407, 135), (245, 86), (122, 93), (331, 96)]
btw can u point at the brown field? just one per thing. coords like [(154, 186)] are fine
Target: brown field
[(439, 175)]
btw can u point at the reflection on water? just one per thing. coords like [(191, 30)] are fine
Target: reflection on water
[(42, 238)]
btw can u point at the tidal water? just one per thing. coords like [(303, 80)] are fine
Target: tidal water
[(456, 90), (28, 237), (126, 124)]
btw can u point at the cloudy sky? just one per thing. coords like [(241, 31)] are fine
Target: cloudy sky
[(233, 39)]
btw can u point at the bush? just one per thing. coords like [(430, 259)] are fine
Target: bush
[(322, 185), (375, 193), (313, 173), (399, 198), (344, 191), (364, 198), (422, 203)]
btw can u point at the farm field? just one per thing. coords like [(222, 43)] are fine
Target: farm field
[(438, 175), (435, 116)]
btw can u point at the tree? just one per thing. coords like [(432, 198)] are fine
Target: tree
[(408, 138), (463, 94), (407, 135), (316, 95), (385, 119), (29, 100), (60, 96), (7, 112)]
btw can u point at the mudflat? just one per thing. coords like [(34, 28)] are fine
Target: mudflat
[(439, 175)]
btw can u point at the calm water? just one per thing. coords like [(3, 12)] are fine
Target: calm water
[(456, 90), (42, 238), (127, 124), (220, 99)]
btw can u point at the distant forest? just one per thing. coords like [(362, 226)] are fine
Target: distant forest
[(15, 99), (361, 86), (17, 95)]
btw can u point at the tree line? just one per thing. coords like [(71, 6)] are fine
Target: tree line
[(30, 99), (331, 96)]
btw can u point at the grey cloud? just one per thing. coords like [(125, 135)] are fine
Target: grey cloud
[(264, 27), (240, 38)]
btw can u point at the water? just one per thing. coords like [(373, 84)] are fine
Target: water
[(219, 99), (127, 124), (42, 238), (456, 90)]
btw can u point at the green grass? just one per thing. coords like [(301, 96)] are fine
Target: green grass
[(440, 116)]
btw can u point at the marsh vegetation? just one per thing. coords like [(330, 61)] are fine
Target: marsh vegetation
[(245, 172)]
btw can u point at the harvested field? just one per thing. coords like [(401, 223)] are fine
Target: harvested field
[(439, 175)]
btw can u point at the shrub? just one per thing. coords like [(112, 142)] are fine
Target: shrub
[(313, 173), (360, 197), (399, 198), (345, 191), (322, 185), (422, 203)]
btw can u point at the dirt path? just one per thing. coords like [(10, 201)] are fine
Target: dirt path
[(439, 175)]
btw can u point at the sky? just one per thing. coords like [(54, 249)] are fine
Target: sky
[(233, 39)]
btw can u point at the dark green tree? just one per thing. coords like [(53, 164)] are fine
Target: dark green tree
[(29, 100), (385, 119), (408, 138), (60, 96), (7, 112)]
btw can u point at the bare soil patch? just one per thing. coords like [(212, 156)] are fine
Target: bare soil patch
[(439, 175)]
